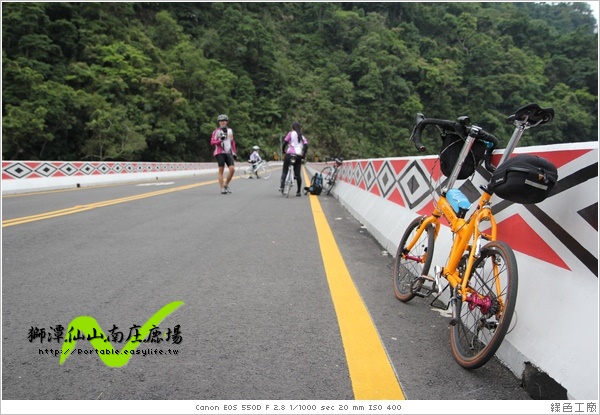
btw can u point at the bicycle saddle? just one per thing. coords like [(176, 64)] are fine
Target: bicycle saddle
[(532, 113)]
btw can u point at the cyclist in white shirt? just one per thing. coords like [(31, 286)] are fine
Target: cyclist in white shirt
[(254, 160)]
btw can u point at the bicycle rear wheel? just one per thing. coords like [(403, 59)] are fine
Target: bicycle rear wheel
[(289, 182), (409, 265), (265, 171), (484, 318), (328, 179)]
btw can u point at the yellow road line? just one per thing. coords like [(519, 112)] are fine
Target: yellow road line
[(83, 208), (371, 372), (78, 189)]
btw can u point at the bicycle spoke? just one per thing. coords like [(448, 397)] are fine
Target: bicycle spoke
[(409, 266)]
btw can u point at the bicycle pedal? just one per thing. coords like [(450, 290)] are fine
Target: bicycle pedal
[(427, 290), (423, 294)]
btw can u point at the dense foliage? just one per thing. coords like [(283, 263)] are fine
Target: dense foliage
[(146, 81)]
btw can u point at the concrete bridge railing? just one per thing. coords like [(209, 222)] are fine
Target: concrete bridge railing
[(31, 176)]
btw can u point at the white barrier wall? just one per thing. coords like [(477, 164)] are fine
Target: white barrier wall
[(555, 242), (29, 176)]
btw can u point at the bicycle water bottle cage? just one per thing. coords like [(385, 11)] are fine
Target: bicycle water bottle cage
[(458, 201)]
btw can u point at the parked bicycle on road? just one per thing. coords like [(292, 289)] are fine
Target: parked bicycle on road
[(330, 173), (481, 272)]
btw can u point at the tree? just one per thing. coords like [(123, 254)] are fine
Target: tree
[(145, 81)]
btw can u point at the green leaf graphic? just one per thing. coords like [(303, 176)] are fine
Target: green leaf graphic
[(87, 325)]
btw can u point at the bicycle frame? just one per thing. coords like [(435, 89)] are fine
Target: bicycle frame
[(330, 178), (467, 233), (290, 175), (335, 172), (289, 178), (482, 275)]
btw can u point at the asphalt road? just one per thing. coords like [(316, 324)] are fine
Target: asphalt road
[(258, 319)]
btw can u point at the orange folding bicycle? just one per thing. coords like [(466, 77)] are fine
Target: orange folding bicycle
[(481, 272)]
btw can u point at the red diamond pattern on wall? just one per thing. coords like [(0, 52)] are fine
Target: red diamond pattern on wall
[(415, 183)]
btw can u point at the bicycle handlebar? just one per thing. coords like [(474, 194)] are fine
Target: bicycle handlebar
[(422, 122), (338, 160), (530, 115), (455, 126), (459, 127)]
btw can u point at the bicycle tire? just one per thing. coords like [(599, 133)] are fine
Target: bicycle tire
[(265, 171), (407, 271), (328, 179), (331, 186), (289, 181), (245, 172), (481, 329)]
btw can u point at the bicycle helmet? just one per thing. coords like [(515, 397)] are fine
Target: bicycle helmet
[(256, 148), (222, 117)]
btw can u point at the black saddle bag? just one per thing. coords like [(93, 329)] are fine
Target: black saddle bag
[(524, 179)]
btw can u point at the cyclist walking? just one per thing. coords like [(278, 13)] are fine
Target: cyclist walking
[(297, 145), (254, 160), (225, 151)]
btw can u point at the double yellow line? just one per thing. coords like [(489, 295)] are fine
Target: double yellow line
[(83, 208)]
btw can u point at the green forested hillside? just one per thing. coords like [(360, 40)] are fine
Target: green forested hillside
[(146, 81)]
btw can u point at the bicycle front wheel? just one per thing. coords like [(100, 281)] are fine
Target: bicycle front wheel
[(484, 318), (410, 264), (328, 179), (265, 171), (245, 172)]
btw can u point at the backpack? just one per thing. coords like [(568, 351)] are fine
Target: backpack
[(316, 185)]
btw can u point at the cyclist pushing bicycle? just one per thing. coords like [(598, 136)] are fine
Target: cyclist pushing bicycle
[(254, 159), (296, 145), (481, 272)]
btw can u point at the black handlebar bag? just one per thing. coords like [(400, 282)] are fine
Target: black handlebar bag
[(452, 145), (524, 179)]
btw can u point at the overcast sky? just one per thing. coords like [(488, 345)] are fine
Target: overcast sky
[(595, 7)]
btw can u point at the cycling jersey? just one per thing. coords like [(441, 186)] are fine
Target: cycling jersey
[(225, 146), (295, 146), (254, 157)]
